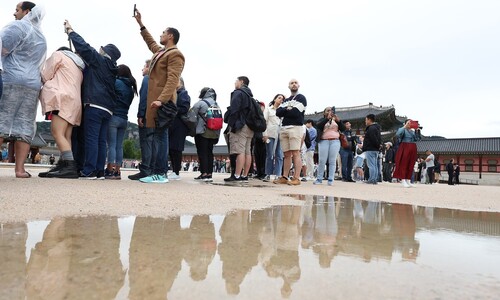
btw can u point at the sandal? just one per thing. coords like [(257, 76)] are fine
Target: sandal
[(25, 175)]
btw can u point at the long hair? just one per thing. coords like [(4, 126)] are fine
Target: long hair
[(124, 71)]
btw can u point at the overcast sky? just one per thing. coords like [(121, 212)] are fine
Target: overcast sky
[(436, 61)]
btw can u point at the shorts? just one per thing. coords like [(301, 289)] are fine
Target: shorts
[(18, 112), (291, 138), (240, 141)]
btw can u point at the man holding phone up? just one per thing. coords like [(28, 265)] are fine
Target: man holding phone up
[(165, 70)]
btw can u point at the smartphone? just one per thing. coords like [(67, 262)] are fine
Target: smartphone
[(414, 124), (135, 8)]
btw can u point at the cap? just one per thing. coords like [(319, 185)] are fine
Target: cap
[(112, 51), (389, 143)]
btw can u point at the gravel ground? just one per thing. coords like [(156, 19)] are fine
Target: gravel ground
[(43, 199)]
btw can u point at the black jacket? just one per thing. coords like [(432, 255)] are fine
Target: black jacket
[(373, 138), (240, 103)]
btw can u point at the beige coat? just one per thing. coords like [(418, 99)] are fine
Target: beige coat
[(164, 73), (62, 88)]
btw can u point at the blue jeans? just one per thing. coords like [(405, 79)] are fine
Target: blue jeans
[(373, 165), (327, 151), (116, 132), (159, 151), (346, 158), (95, 131), (146, 142), (274, 161)]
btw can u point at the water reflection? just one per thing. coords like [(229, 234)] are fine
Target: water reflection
[(280, 252)]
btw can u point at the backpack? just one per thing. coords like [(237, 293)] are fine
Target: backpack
[(255, 116), (213, 116), (307, 140), (190, 120)]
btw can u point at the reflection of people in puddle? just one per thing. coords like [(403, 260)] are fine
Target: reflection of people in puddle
[(239, 247), (78, 258), (13, 260), (201, 246), (404, 231), (284, 262), (325, 232), (156, 251)]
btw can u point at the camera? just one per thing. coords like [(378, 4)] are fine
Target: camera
[(414, 124)]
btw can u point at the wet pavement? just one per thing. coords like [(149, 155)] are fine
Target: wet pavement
[(330, 248)]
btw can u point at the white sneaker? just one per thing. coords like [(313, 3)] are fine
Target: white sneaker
[(174, 176), (405, 183), (409, 183)]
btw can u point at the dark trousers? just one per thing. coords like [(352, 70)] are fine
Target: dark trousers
[(260, 157), (204, 148), (95, 131), (450, 178), (346, 157), (387, 171), (430, 174), (176, 160), (457, 179)]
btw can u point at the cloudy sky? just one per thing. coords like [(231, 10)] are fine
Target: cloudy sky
[(436, 61)]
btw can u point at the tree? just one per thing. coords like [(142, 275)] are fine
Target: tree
[(130, 149)]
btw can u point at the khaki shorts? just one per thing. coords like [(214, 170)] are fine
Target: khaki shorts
[(291, 138), (240, 141)]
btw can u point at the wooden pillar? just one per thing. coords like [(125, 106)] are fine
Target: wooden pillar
[(480, 166)]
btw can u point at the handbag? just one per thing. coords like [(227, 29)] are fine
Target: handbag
[(343, 141), (165, 115), (190, 120)]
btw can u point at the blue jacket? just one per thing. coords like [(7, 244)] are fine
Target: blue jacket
[(143, 98), (178, 131), (99, 76), (125, 95)]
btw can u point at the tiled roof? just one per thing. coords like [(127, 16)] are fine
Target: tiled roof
[(38, 141), (355, 112), (461, 146)]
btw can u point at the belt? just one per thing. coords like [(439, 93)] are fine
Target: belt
[(330, 139)]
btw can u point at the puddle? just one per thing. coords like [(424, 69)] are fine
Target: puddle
[(330, 248)]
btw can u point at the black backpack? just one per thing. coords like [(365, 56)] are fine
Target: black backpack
[(255, 117)]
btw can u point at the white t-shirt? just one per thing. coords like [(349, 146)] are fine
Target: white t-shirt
[(429, 161)]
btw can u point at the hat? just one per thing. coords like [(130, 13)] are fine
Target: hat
[(389, 143), (112, 51)]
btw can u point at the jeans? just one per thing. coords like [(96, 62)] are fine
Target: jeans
[(159, 158), (274, 157), (430, 174), (146, 142), (204, 148), (346, 157), (116, 132), (373, 165), (328, 150), (95, 131)]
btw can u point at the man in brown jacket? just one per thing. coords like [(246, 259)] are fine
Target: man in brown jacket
[(165, 70)]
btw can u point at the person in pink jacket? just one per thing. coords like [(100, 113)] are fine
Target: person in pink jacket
[(61, 102)]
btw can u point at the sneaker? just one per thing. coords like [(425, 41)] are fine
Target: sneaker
[(117, 175), (267, 178), (318, 181), (156, 178), (108, 174), (199, 177), (230, 179), (281, 180), (174, 176), (91, 176), (100, 175), (404, 183), (294, 181), (207, 178), (330, 182), (137, 176), (243, 179), (303, 179)]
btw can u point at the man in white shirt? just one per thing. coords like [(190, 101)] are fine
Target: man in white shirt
[(429, 164)]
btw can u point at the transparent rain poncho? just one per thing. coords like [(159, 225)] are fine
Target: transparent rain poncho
[(24, 50)]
